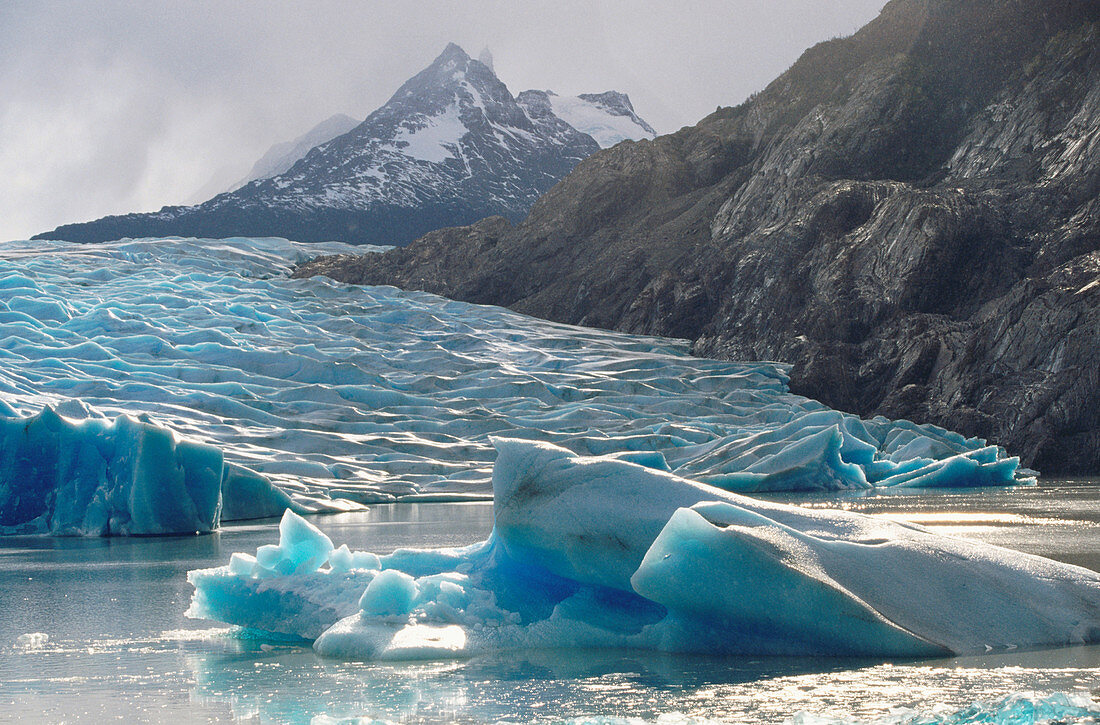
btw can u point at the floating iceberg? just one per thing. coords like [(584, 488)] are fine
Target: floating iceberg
[(600, 551), (32, 640), (97, 477)]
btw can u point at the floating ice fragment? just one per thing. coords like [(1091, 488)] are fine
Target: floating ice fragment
[(32, 640), (302, 547), (98, 477), (981, 467), (391, 593), (343, 559), (245, 565), (763, 583), (248, 495)]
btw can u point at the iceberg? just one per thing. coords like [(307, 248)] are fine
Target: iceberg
[(598, 551), (127, 476)]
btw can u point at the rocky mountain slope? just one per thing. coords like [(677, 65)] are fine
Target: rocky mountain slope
[(910, 215), (450, 147)]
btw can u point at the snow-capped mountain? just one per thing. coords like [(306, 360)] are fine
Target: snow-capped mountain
[(280, 157), (451, 146)]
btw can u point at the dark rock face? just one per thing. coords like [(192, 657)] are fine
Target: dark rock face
[(450, 147), (910, 215)]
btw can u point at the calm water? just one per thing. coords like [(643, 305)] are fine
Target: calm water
[(120, 648)]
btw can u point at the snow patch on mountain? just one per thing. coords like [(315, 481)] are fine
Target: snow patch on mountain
[(607, 117), (435, 141)]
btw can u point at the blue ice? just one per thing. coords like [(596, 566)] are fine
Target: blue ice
[(595, 551), (127, 476)]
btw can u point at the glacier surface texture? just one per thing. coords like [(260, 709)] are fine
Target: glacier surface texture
[(596, 551), (343, 395)]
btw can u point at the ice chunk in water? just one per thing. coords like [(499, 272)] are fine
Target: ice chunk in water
[(344, 559), (102, 477), (596, 551), (302, 548), (391, 593), (32, 640)]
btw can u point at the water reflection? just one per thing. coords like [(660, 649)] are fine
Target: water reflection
[(549, 686), (291, 685)]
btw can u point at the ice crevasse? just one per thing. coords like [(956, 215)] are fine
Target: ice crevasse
[(591, 551)]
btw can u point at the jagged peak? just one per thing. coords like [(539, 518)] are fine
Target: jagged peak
[(535, 102), (451, 69), (607, 117), (453, 51), (453, 64), (485, 57)]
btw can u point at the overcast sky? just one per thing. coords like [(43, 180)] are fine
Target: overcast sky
[(114, 106)]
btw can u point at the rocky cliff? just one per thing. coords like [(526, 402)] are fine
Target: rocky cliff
[(910, 216)]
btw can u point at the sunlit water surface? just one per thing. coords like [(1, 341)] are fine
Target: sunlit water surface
[(120, 648)]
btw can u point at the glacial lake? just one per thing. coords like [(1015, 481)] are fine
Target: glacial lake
[(120, 648)]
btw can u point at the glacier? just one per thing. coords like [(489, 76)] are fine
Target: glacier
[(342, 396), (597, 551)]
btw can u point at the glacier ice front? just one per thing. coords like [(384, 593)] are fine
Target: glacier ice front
[(368, 394), (597, 551), (127, 476)]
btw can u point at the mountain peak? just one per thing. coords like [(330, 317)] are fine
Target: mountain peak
[(451, 69), (453, 52), (453, 145)]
